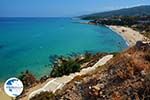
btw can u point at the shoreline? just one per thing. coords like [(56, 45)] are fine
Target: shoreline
[(128, 34), (119, 35)]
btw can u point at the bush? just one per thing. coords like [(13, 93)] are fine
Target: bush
[(65, 68), (27, 78)]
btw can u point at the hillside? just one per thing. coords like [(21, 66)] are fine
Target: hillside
[(125, 77), (134, 11)]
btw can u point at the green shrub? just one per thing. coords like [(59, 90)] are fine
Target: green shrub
[(27, 78), (65, 68)]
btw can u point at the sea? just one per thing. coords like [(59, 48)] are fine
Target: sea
[(27, 43)]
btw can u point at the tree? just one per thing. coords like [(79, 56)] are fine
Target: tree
[(27, 78), (67, 67)]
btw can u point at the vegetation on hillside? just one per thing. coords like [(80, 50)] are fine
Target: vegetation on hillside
[(27, 78), (134, 11), (137, 17), (66, 65), (125, 77), (62, 65), (139, 23)]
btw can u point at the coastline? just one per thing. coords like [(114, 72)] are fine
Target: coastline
[(118, 34), (129, 35)]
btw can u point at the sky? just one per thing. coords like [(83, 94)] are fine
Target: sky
[(62, 8)]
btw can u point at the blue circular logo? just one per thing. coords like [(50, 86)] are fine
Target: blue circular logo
[(13, 87)]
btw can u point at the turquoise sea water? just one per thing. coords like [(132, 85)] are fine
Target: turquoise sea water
[(27, 43)]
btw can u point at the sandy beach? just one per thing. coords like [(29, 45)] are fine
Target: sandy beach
[(130, 35), (3, 96)]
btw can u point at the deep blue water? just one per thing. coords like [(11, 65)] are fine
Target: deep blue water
[(27, 43)]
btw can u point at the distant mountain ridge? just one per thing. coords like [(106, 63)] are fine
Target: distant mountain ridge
[(134, 11)]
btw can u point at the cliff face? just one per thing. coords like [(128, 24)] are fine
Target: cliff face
[(125, 77)]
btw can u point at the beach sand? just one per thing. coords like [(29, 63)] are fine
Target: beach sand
[(130, 35), (4, 96)]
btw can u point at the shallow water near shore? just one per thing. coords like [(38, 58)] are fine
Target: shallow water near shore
[(27, 43)]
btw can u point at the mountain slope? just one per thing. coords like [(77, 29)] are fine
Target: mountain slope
[(134, 11), (125, 77)]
